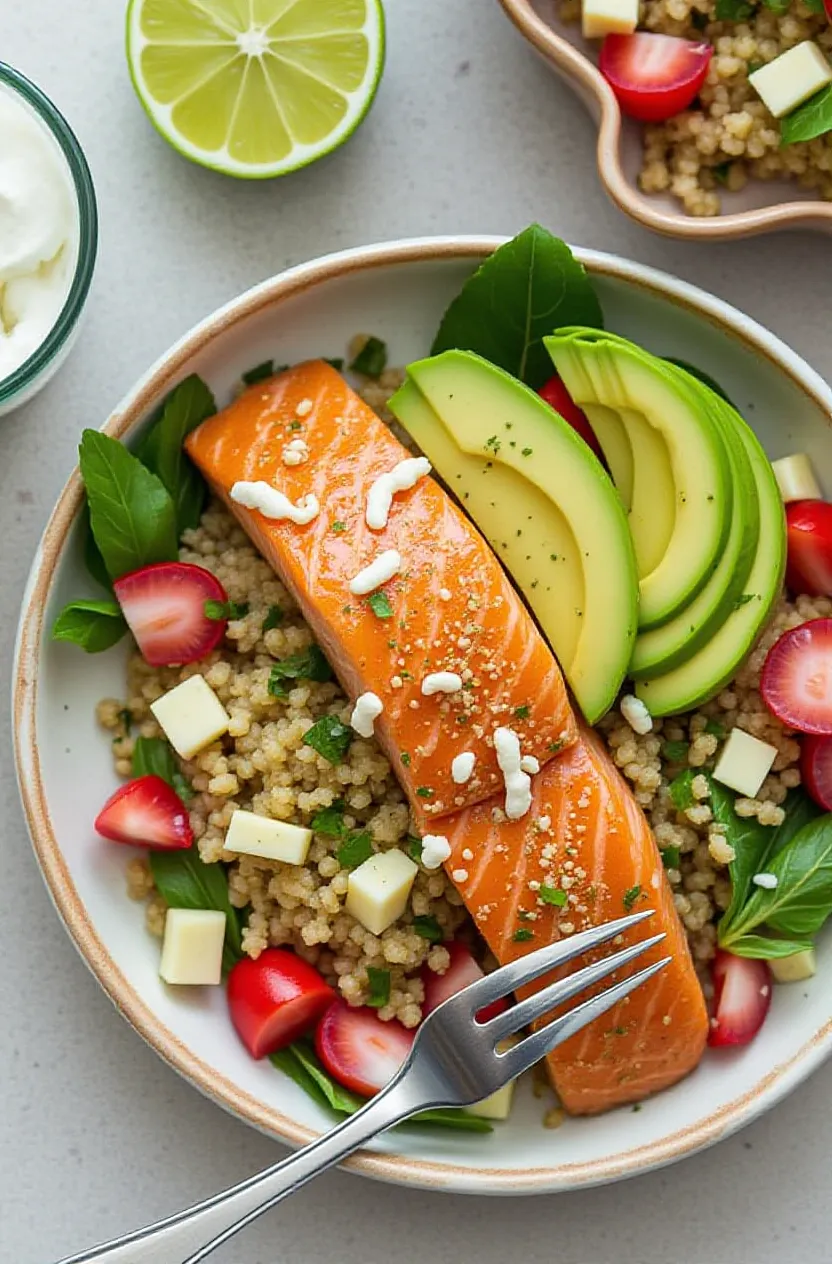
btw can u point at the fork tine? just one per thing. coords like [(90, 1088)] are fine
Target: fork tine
[(533, 1048), (537, 1006), (530, 967)]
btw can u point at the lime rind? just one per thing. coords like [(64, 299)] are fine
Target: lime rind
[(202, 120)]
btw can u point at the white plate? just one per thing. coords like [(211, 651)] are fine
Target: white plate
[(399, 291)]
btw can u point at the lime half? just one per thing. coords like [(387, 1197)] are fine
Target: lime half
[(255, 88)]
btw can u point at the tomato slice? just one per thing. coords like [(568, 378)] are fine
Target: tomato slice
[(809, 568), (653, 76)]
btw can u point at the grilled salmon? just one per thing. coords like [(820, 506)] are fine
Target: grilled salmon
[(445, 644), (584, 855)]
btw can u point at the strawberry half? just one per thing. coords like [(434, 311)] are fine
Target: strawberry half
[(462, 971), (796, 681), (809, 566), (816, 769), (742, 996), (359, 1050), (653, 76), (165, 608), (556, 394), (148, 813)]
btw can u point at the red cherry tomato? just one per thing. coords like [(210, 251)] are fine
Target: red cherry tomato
[(654, 77), (556, 394), (809, 567), (275, 999)]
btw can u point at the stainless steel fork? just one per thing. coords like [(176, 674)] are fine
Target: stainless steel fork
[(455, 1061)]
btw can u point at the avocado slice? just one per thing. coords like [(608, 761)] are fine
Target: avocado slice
[(659, 649), (551, 487), (715, 663), (602, 369), (615, 443)]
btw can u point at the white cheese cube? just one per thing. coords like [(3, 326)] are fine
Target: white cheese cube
[(497, 1106), (793, 77), (608, 17), (378, 890), (796, 478), (260, 836), (192, 947), (191, 716), (796, 968), (745, 763)]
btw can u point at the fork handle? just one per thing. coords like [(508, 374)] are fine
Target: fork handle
[(207, 1225)]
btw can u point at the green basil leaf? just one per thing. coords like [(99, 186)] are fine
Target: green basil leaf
[(273, 619), (449, 1117), (802, 899), (94, 625), (306, 665), (340, 1099), (765, 949), (93, 560), (132, 516), (259, 373), (287, 1061), (185, 881), (379, 981), (153, 756), (357, 849), (330, 821), (524, 291), (428, 928), (371, 359), (330, 737), (691, 369), (163, 452), (681, 792), (812, 118), (379, 603)]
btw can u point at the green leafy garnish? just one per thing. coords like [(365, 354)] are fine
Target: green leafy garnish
[(330, 738), (259, 373), (371, 359), (522, 713), (815, 6), (523, 291), (414, 848), (379, 603), (778, 6), (338, 527), (523, 935), (153, 756), (715, 729), (405, 759), (309, 664), (379, 981), (733, 10), (812, 118), (273, 619), (671, 857), (766, 947), (424, 792), (161, 449), (722, 170), (335, 362), (681, 790), (675, 752), (553, 896), (218, 610), (630, 897), (330, 821), (93, 560), (428, 928), (94, 625), (699, 374), (185, 881), (357, 849)]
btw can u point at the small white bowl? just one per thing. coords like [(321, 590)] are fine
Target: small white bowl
[(33, 374), (398, 291)]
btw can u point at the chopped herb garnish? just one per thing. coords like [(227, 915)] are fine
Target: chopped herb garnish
[(405, 759), (379, 603), (743, 600), (259, 373), (414, 848), (523, 935), (125, 719), (554, 747), (671, 856), (428, 928), (526, 452), (681, 790), (330, 821), (424, 792), (522, 713), (217, 610), (675, 752), (357, 849), (493, 444), (733, 10), (330, 738), (307, 665), (720, 173), (554, 896), (273, 619), (337, 362), (371, 359), (630, 897), (379, 981), (338, 527), (295, 425), (715, 729)]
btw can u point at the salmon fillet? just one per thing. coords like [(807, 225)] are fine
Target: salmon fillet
[(453, 607), (586, 833)]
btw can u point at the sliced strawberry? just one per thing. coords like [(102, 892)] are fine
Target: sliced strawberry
[(556, 394), (816, 769), (809, 568), (165, 607), (462, 971), (275, 999), (796, 682), (359, 1050), (742, 996), (146, 812), (654, 77)]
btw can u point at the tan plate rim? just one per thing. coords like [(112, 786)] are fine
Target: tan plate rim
[(395, 1168)]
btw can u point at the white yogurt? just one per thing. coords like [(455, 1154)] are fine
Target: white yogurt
[(39, 232)]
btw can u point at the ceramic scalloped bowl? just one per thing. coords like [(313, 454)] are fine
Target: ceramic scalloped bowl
[(65, 770), (763, 206)]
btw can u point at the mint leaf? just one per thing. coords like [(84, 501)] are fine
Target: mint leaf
[(528, 288), (133, 518), (162, 448), (153, 756), (812, 118), (219, 610), (379, 603), (522, 935), (379, 981), (330, 737), (329, 821), (185, 881), (306, 665), (371, 359), (259, 373), (94, 625), (428, 928), (273, 619), (357, 849), (553, 896), (681, 793)]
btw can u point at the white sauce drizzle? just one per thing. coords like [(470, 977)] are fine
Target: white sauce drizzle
[(518, 783), (462, 767), (400, 479), (441, 682), (435, 850), (273, 504), (367, 709), (382, 568)]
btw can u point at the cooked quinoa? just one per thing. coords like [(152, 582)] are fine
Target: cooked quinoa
[(730, 137)]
